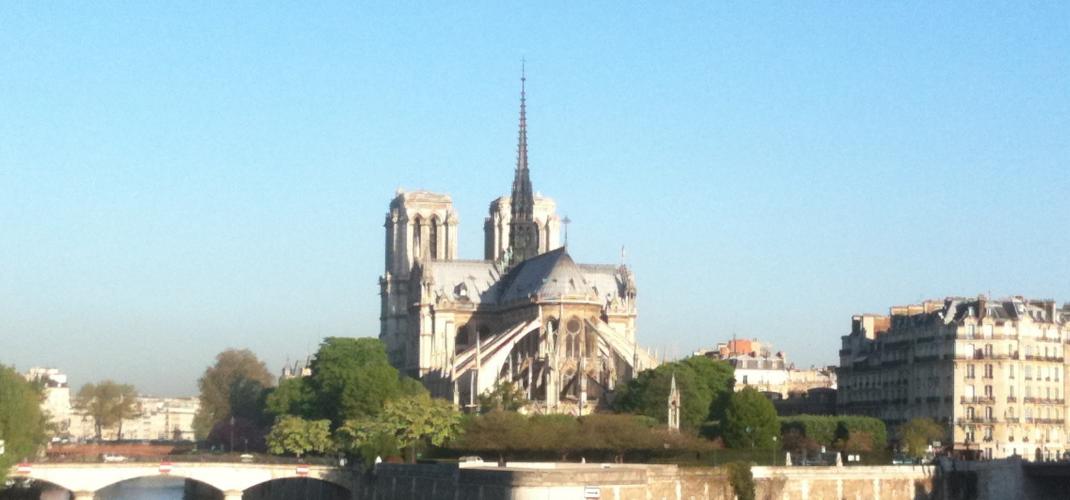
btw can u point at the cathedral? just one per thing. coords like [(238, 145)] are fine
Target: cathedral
[(563, 333)]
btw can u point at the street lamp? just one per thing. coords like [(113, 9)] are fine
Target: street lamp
[(774, 451)]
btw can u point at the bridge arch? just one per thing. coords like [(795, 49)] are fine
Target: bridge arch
[(84, 480), (159, 480), (323, 488)]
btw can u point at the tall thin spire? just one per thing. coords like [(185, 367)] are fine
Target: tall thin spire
[(523, 234)]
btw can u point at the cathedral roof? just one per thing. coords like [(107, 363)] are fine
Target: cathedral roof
[(552, 274), (549, 275)]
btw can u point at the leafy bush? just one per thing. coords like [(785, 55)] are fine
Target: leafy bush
[(750, 420), (739, 476), (839, 432), (704, 385)]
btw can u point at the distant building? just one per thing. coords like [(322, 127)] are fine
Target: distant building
[(757, 366), (163, 419), (992, 371), (296, 370), (57, 396)]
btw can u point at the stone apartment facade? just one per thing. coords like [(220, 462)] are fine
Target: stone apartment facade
[(993, 371), (757, 365), (165, 419)]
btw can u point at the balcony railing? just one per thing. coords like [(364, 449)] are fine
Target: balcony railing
[(1044, 401), (1041, 357), (978, 400)]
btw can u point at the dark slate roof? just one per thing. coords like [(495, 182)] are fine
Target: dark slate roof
[(552, 274)]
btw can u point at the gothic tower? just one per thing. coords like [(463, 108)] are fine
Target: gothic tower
[(523, 230)]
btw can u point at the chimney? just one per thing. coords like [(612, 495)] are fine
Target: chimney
[(982, 308)]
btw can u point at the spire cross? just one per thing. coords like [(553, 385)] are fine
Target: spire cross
[(566, 221)]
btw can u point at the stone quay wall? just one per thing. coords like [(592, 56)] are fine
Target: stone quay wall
[(560, 481)]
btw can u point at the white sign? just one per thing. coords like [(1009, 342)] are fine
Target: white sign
[(592, 492)]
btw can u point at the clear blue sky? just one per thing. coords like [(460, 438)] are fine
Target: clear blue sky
[(177, 178)]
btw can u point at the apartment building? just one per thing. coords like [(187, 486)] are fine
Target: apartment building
[(993, 371)]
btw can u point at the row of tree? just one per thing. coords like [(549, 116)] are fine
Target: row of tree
[(22, 423), (353, 402)]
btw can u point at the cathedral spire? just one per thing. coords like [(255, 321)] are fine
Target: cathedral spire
[(523, 232)]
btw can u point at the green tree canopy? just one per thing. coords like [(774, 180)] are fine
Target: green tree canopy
[(503, 396), (411, 421), (750, 420), (108, 403), (233, 386), (292, 397), (22, 424), (352, 379), (916, 435), (498, 431), (704, 385), (299, 436), (616, 433)]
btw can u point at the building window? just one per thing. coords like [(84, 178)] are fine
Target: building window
[(988, 371), (988, 391), (969, 371), (1010, 371), (969, 412), (988, 414), (433, 237), (988, 435)]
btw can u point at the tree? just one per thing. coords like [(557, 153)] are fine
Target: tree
[(916, 435), (560, 434), (497, 431), (750, 420), (22, 424), (108, 403), (299, 436), (231, 387), (617, 434), (504, 396), (352, 379), (292, 397), (704, 385), (411, 421)]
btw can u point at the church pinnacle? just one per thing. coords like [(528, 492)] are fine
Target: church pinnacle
[(523, 231)]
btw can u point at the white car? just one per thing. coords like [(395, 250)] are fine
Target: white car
[(114, 458)]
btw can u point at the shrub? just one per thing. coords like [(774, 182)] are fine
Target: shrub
[(739, 476), (840, 432)]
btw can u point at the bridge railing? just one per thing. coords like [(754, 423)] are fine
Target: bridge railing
[(257, 458)]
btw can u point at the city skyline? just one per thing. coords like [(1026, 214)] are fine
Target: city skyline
[(176, 183)]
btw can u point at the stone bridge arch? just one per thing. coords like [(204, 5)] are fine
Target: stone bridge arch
[(84, 480)]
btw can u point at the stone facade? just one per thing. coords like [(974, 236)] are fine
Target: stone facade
[(521, 481), (993, 371), (561, 331), (168, 419), (757, 365)]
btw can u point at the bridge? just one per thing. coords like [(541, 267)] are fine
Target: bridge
[(84, 480)]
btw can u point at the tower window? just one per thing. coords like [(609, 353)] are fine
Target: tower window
[(433, 238)]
